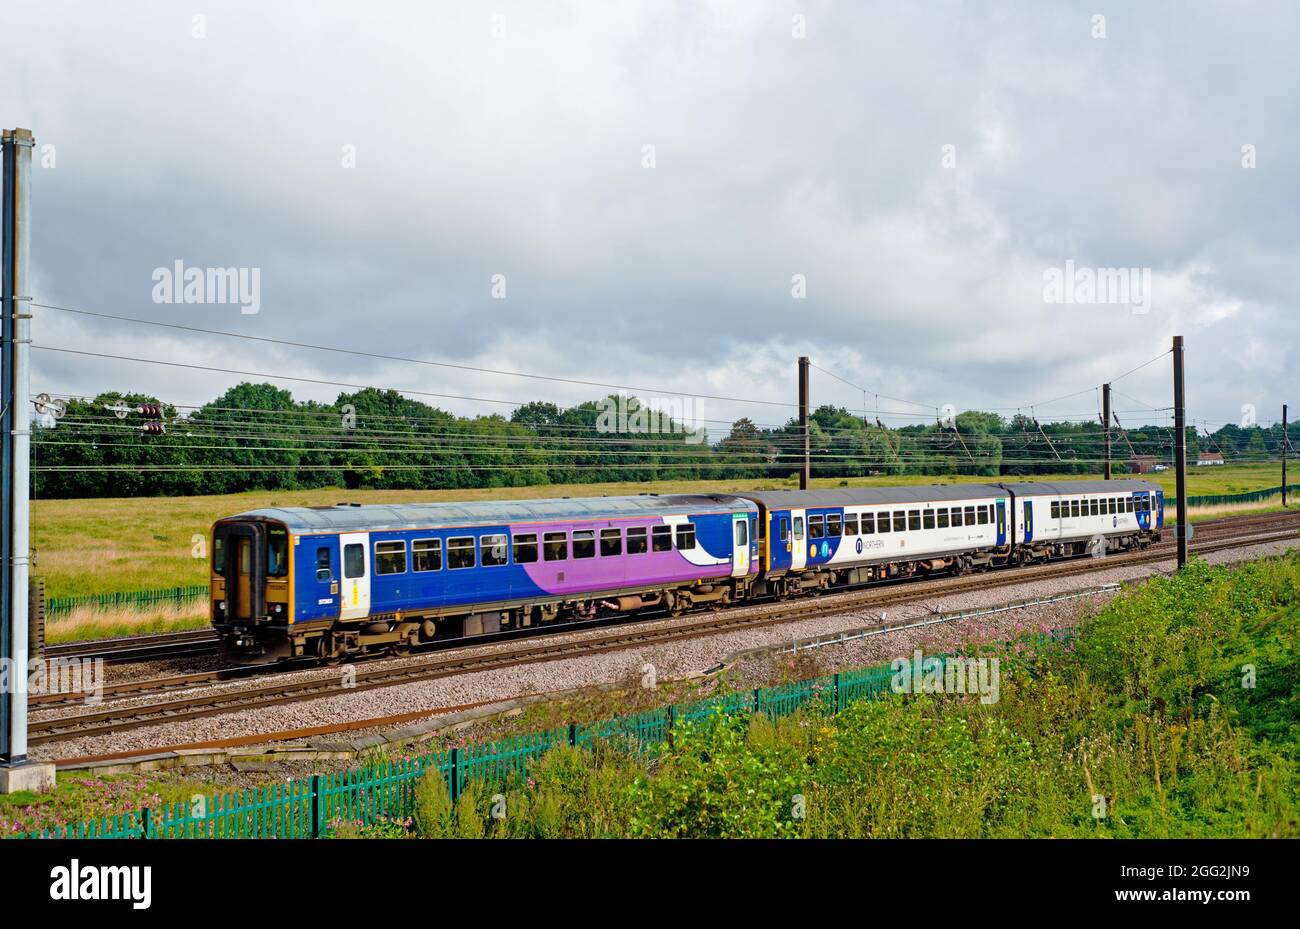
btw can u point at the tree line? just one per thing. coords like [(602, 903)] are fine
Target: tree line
[(258, 437)]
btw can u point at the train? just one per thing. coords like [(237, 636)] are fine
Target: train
[(337, 582)]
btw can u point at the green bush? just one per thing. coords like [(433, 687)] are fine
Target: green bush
[(433, 815)]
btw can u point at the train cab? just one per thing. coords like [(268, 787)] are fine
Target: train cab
[(250, 582)]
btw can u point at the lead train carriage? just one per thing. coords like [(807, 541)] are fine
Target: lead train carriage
[(329, 582)]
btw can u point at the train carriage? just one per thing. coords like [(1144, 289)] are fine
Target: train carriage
[(819, 538), (333, 581), (1071, 517)]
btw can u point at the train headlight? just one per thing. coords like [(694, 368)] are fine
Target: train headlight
[(279, 607), (221, 605)]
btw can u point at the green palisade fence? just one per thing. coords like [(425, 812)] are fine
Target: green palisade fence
[(1250, 496), (305, 808), (127, 599)]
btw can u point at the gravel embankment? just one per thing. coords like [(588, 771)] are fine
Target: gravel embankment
[(670, 660)]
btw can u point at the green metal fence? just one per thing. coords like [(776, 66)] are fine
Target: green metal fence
[(1250, 496), (127, 599), (305, 808)]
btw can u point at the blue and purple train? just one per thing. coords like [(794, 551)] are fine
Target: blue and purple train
[(340, 581)]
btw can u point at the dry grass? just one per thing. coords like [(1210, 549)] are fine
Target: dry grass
[(91, 623)]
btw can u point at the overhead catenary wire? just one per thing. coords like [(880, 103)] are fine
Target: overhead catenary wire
[(408, 360)]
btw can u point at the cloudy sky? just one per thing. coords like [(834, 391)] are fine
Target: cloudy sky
[(676, 196)]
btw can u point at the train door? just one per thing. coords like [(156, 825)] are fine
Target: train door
[(740, 545), (1160, 509), (1002, 522), (243, 577), (1142, 509), (1029, 520), (778, 540), (354, 598), (798, 544)]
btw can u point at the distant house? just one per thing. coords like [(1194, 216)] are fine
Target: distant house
[(1142, 464), (1209, 458)]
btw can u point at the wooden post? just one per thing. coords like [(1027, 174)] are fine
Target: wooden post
[(805, 470), (1180, 450), (1105, 424)]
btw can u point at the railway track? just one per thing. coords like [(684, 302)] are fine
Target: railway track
[(194, 642), (138, 647), (193, 699)]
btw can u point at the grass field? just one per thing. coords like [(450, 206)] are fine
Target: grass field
[(144, 543)]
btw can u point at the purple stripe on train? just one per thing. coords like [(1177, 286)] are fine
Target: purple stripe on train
[(578, 575)]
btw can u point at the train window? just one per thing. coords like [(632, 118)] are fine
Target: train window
[(833, 525), (636, 540), (1056, 509), (914, 520), (868, 523), (785, 529), (981, 515), (460, 553), (815, 528), (426, 554), (661, 538), (850, 523), (686, 537), (970, 515), (882, 524), (742, 532), (584, 543), (611, 542), (900, 520), (1074, 508), (390, 557), (219, 554), (1096, 507), (555, 546), (495, 550), (525, 548), (942, 516), (354, 560), (798, 528), (956, 516), (928, 519), (1128, 504), (324, 570), (277, 552)]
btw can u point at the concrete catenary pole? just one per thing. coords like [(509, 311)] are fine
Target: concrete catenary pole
[(1286, 442), (1180, 450), (15, 422)]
